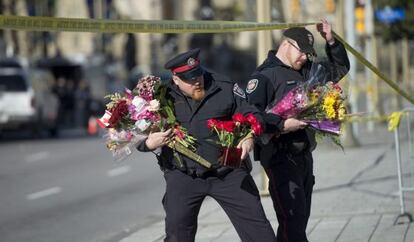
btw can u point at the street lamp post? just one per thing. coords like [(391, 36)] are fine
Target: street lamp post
[(264, 43), (352, 128)]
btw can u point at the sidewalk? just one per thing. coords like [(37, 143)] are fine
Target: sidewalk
[(355, 198)]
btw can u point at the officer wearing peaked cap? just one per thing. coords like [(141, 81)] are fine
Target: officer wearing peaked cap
[(186, 65), (199, 95)]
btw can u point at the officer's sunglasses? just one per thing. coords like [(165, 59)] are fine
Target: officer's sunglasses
[(309, 56)]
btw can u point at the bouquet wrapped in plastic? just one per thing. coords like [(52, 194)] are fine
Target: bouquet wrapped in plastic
[(130, 117), (318, 102)]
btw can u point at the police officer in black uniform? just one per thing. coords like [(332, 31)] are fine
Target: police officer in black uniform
[(199, 95), (287, 158)]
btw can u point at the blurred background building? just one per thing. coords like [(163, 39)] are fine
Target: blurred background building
[(84, 67)]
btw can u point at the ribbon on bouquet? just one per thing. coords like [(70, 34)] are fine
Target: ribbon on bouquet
[(185, 151)]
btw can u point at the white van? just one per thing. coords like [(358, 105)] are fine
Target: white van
[(17, 107)]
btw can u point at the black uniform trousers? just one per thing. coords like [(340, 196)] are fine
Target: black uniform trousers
[(291, 182), (236, 193)]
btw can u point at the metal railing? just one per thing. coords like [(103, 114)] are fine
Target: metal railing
[(405, 160)]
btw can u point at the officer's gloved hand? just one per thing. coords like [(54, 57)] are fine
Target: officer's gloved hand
[(157, 139), (292, 124)]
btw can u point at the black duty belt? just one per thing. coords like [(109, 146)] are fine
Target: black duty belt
[(202, 175), (294, 148), (219, 172)]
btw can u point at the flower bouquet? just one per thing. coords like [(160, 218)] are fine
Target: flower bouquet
[(318, 102), (130, 117), (232, 132)]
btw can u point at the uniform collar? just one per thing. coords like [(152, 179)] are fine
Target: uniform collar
[(273, 59)]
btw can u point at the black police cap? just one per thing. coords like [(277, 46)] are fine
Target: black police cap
[(186, 65), (303, 38)]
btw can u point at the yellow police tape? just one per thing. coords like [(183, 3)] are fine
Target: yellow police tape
[(357, 118), (374, 69), (393, 119), (135, 26), (167, 26)]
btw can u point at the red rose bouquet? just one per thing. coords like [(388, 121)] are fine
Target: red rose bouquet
[(231, 132)]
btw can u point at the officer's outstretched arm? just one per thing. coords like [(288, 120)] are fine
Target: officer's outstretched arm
[(292, 124)]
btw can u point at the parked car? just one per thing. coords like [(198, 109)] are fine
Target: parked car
[(27, 102), (17, 101)]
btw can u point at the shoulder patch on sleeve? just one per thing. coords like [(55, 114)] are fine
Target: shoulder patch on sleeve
[(238, 91), (252, 85)]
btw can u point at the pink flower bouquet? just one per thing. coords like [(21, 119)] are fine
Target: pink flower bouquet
[(131, 116)]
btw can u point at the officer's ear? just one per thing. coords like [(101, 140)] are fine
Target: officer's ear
[(284, 42), (176, 79)]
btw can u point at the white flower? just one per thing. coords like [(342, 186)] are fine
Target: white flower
[(139, 103), (154, 105), (142, 124)]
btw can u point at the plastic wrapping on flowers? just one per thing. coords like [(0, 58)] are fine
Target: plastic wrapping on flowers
[(318, 101), (131, 116)]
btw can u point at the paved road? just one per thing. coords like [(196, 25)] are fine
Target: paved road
[(355, 199), (71, 190)]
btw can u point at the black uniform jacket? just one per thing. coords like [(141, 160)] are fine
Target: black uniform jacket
[(274, 79), (220, 102)]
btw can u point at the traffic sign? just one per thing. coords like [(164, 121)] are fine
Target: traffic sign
[(390, 15)]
